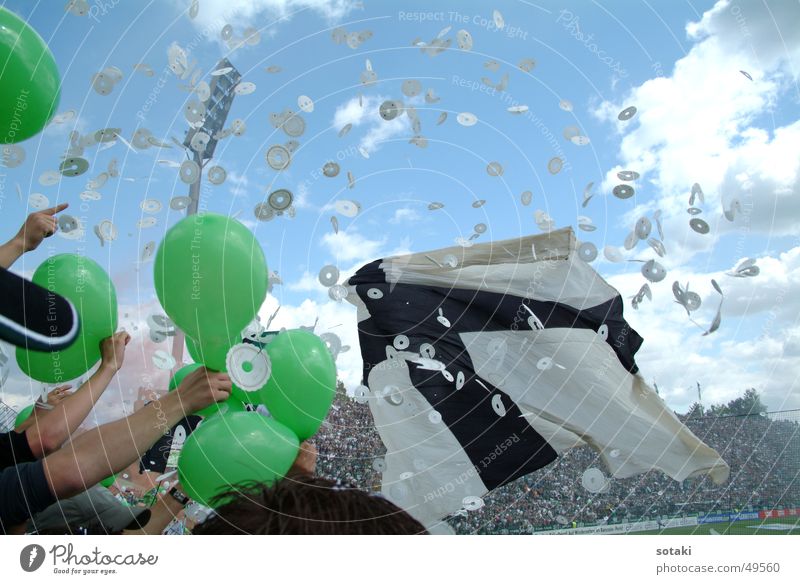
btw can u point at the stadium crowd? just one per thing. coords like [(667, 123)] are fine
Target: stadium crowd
[(762, 451)]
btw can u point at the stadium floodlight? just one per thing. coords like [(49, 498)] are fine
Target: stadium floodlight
[(224, 79)]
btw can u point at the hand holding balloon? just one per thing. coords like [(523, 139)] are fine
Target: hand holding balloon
[(112, 351), (202, 387)]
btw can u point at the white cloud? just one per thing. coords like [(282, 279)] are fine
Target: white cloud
[(214, 14), (697, 125), (351, 246), (405, 215), (365, 112), (756, 346), (703, 124)]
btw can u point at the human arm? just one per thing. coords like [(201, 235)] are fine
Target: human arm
[(53, 428), (166, 509), (110, 448), (37, 226)]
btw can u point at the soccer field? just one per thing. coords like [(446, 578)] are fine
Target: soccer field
[(779, 526)]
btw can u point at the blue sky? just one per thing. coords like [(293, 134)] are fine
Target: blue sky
[(700, 120)]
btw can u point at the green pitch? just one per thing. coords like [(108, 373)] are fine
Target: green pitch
[(779, 526)]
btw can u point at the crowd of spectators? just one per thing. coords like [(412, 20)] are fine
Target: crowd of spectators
[(763, 452)]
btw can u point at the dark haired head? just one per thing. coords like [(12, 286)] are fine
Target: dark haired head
[(307, 505)]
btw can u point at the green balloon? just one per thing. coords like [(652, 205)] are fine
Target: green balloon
[(24, 414), (87, 285), (107, 482), (181, 373), (210, 276), (211, 351), (233, 448), (229, 405), (29, 79), (302, 385)]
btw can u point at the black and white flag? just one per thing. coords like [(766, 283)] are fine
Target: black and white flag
[(484, 363)]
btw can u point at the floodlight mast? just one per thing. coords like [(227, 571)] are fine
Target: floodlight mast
[(217, 109)]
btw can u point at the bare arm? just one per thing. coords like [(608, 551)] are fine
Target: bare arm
[(36, 227), (53, 428), (163, 512), (110, 448)]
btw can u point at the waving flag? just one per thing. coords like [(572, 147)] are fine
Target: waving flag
[(485, 363)]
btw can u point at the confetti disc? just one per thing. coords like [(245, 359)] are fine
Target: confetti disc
[(49, 178), (140, 137), (565, 105), (146, 222), (613, 254), (627, 175), (593, 480), (278, 157), (67, 225), (244, 88), (248, 366), (643, 228), (699, 225), (527, 65), (694, 211), (494, 169), (12, 155), (337, 292), (280, 200), (189, 172), (73, 166), (148, 251), (623, 191), (580, 140), (179, 203), (264, 212), (555, 165), (434, 417), (626, 114), (653, 271), (38, 201), (347, 208), (464, 40), (328, 275), (150, 206), (526, 198), (587, 251), (411, 88), (390, 109), (472, 503), (570, 132), (106, 230), (330, 169), (199, 141), (467, 119), (90, 195), (294, 126), (305, 104), (217, 175), (499, 22)]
